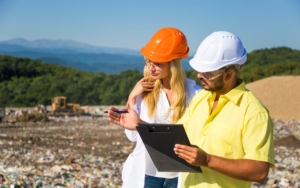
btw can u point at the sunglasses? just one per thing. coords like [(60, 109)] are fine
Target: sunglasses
[(213, 74)]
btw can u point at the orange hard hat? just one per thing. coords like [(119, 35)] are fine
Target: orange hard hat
[(165, 45)]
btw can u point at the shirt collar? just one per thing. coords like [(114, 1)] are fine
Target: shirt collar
[(236, 93)]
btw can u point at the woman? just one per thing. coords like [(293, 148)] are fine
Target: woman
[(160, 97)]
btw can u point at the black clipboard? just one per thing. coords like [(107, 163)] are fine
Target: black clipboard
[(159, 140)]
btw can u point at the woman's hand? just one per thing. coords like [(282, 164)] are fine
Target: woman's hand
[(139, 88), (127, 120)]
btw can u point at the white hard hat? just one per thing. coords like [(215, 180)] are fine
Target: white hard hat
[(218, 50)]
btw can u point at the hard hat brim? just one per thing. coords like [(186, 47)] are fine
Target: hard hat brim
[(162, 59)]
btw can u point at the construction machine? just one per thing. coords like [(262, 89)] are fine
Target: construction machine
[(60, 106)]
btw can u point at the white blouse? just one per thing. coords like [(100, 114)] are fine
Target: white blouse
[(139, 161)]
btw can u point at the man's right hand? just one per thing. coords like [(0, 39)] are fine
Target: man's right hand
[(127, 120)]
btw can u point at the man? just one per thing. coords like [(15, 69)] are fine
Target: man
[(230, 130)]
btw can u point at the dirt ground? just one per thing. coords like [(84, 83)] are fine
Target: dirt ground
[(81, 135)]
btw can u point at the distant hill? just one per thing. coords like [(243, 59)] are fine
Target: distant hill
[(62, 47), (76, 55), (85, 57), (270, 62), (26, 82)]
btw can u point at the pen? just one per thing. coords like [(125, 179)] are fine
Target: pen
[(118, 111)]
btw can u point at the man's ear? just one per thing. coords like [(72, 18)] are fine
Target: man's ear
[(229, 75)]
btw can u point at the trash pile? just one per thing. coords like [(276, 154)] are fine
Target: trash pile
[(36, 114), (89, 152), (286, 172), (64, 152)]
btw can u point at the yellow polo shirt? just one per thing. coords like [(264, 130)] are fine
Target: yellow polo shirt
[(239, 128)]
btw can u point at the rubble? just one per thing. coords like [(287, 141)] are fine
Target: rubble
[(32, 117), (64, 152), (286, 172), (89, 151)]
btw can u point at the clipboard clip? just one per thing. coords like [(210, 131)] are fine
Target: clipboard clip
[(163, 129)]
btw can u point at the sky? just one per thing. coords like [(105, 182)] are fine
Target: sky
[(130, 24)]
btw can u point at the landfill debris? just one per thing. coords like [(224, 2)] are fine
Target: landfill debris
[(286, 172), (32, 117), (63, 152), (89, 152)]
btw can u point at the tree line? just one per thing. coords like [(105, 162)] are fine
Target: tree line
[(26, 83)]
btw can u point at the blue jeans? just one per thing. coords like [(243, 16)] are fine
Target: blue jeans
[(155, 182)]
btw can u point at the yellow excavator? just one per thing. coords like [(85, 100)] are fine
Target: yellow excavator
[(60, 106)]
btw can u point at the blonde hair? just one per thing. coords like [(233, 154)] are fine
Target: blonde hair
[(178, 86)]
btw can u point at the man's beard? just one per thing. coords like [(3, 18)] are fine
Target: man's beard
[(218, 85)]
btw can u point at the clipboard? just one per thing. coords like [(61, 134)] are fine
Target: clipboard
[(159, 140)]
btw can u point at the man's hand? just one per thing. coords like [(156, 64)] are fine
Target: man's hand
[(127, 120), (193, 155), (243, 169)]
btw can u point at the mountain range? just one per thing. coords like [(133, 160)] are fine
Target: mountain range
[(77, 55)]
